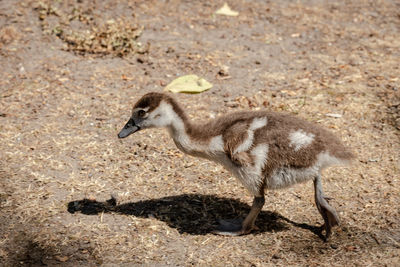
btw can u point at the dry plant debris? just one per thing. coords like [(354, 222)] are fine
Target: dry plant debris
[(392, 100), (91, 36)]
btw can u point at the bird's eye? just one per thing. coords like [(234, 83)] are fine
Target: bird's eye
[(141, 113)]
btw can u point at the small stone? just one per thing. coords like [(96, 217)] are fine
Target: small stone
[(232, 104), (276, 257), (223, 72)]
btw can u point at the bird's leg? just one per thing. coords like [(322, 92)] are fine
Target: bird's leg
[(328, 213), (245, 227)]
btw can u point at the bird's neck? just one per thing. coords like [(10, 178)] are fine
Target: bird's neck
[(187, 136)]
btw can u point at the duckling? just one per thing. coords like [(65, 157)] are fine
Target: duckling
[(262, 149)]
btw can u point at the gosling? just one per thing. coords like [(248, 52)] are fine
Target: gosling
[(262, 149)]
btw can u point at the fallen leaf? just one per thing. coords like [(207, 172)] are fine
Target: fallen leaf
[(188, 84), (227, 11)]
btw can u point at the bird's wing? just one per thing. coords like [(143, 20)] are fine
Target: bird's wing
[(234, 138)]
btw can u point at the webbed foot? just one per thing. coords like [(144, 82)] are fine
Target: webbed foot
[(327, 211), (233, 227), (238, 227)]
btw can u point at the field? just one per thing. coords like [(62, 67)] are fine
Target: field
[(73, 194)]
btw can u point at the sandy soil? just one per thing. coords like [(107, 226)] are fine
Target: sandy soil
[(62, 103)]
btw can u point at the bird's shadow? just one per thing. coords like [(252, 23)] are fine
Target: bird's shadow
[(190, 213)]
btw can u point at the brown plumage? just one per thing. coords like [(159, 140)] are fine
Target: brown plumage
[(264, 150)]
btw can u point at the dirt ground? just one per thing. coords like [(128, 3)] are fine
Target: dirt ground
[(71, 70)]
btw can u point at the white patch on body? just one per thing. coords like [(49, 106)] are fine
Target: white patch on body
[(300, 139), (257, 123), (216, 144), (250, 176), (286, 176)]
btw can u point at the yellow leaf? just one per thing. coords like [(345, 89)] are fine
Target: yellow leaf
[(191, 84), (227, 11)]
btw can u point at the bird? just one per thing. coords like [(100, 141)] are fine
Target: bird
[(264, 150)]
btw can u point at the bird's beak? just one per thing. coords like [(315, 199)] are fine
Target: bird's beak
[(129, 128)]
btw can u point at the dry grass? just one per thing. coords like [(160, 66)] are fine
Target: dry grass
[(60, 113), (84, 33)]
